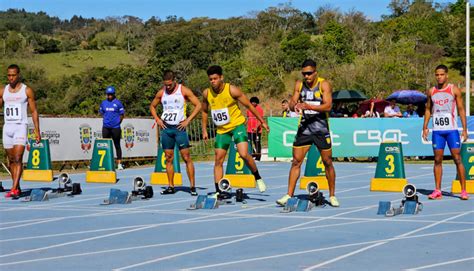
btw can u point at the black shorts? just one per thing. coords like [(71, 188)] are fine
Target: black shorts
[(322, 141)]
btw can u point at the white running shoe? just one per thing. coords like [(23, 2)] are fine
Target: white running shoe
[(261, 185), (120, 167), (283, 200)]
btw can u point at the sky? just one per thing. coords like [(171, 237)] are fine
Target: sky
[(187, 9)]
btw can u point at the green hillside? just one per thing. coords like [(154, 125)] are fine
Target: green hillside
[(57, 65)]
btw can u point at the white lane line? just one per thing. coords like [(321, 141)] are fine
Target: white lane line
[(441, 264), (382, 243), (175, 243), (105, 213), (322, 249), (231, 242), (119, 233)]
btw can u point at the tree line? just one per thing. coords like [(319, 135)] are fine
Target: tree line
[(260, 52)]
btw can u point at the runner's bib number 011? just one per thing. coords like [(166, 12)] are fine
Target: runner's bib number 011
[(443, 121), (12, 112), (220, 116), (172, 116)]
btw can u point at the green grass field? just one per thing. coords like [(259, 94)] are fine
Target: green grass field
[(57, 65)]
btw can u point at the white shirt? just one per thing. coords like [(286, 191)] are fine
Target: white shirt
[(389, 111)]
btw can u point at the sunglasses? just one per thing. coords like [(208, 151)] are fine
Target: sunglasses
[(307, 73)]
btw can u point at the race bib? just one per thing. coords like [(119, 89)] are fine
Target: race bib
[(172, 116), (12, 112), (443, 121), (312, 112), (220, 117)]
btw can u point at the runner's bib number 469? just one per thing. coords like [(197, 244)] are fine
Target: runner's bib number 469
[(220, 116), (12, 112), (443, 121)]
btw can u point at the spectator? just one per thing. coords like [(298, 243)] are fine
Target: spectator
[(339, 111), (420, 109), (392, 110), (254, 129), (410, 113), (287, 113), (371, 113)]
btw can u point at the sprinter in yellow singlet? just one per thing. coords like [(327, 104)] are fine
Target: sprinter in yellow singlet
[(222, 98)]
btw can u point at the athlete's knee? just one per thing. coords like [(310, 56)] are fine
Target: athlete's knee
[(219, 160), (16, 159), (186, 157), (457, 160), (169, 157), (327, 162), (245, 156), (296, 162), (438, 161)]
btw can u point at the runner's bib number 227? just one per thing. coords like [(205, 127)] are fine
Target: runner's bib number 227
[(171, 116)]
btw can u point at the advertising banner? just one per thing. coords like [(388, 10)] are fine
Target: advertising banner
[(359, 137), (73, 138)]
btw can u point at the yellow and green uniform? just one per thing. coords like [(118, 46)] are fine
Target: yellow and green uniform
[(227, 116)]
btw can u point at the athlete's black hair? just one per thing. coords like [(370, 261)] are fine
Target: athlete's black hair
[(168, 75), (443, 67), (14, 66), (308, 62), (214, 69), (284, 101)]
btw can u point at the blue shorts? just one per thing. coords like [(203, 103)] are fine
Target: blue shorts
[(439, 139), (172, 136)]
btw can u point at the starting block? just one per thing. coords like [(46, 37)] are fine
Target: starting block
[(409, 206), (304, 205), (118, 196), (204, 202), (384, 206), (290, 205), (37, 195)]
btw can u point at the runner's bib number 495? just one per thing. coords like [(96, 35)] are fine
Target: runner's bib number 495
[(220, 116), (12, 112)]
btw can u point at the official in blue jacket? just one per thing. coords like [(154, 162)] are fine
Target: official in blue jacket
[(113, 112)]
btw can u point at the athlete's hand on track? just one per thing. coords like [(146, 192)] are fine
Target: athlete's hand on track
[(182, 125), (425, 134)]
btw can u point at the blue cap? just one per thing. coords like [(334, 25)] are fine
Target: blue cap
[(110, 90)]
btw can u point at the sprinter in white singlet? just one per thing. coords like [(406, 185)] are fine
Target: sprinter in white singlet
[(444, 103), (16, 97), (173, 123)]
